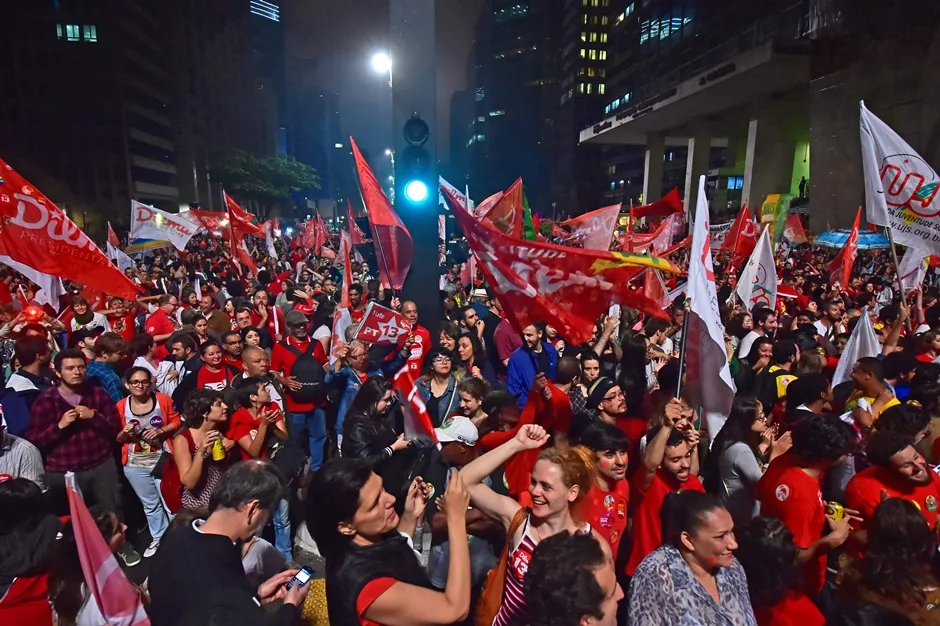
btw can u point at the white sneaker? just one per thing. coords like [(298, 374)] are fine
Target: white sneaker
[(152, 548)]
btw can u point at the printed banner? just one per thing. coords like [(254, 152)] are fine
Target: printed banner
[(154, 225), (382, 325)]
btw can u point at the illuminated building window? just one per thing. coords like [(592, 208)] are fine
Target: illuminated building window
[(72, 32), (90, 33), (604, 21), (603, 37), (602, 55), (594, 20), (511, 13), (479, 94), (592, 54), (589, 88), (594, 3), (497, 113), (581, 53), (584, 18), (265, 9), (58, 31), (652, 29), (600, 89), (602, 73), (580, 87), (581, 71), (593, 37), (591, 72), (583, 36)]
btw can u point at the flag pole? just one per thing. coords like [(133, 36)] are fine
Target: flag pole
[(685, 337), (897, 275)]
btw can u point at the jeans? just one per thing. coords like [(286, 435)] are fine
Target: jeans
[(315, 424), (147, 490), (282, 540)]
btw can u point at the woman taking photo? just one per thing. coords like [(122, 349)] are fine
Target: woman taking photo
[(693, 579), (768, 555), (560, 479), (373, 575), (199, 463), (743, 448), (473, 361), (756, 360), (438, 385), (147, 419)]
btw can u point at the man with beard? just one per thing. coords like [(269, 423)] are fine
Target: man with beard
[(218, 321), (536, 356), (608, 400), (232, 347), (357, 305), (669, 464), (897, 471), (605, 505), (765, 325)]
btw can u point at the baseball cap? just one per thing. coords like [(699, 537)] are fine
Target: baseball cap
[(295, 317), (84, 333), (458, 428)]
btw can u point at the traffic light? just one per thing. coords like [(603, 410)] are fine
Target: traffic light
[(414, 165)]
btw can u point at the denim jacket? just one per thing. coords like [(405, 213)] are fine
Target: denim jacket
[(347, 379), (449, 403)]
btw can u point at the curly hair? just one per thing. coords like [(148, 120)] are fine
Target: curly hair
[(768, 555), (576, 465), (565, 562), (823, 438), (198, 405), (907, 419)]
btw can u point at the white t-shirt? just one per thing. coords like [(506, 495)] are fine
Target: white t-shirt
[(97, 319), (322, 332), (745, 348)]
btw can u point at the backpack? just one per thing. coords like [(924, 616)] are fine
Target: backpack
[(309, 373)]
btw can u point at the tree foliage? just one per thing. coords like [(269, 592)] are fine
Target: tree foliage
[(268, 180)]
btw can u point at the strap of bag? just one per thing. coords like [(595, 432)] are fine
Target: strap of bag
[(492, 596)]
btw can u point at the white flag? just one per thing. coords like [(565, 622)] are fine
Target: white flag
[(50, 287), (758, 282), (464, 198), (900, 186), (156, 225), (912, 269), (269, 240), (862, 343), (119, 257), (442, 228), (708, 375)]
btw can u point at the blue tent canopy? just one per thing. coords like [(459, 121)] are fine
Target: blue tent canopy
[(867, 240)]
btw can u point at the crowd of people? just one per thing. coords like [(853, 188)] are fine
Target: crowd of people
[(569, 484)]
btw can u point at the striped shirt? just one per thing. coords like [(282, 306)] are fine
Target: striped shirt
[(20, 459)]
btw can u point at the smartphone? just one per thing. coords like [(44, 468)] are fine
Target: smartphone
[(301, 578)]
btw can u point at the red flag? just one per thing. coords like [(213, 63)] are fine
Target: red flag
[(277, 227), (345, 244), (117, 599), (358, 237), (240, 219), (215, 222), (794, 230), (322, 235), (309, 238), (537, 224), (841, 267), (112, 237), (568, 288), (484, 207), (558, 231), (382, 325), (240, 255), (394, 247), (417, 421), (658, 240), (593, 231), (36, 233), (654, 288), (741, 238), (667, 205), (506, 213)]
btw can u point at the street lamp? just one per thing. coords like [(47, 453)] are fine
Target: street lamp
[(382, 64)]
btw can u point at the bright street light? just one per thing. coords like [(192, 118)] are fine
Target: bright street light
[(388, 152), (382, 64)]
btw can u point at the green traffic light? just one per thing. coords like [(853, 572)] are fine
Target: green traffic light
[(416, 191)]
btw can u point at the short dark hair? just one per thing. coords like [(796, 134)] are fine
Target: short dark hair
[(184, 339), (140, 344), (566, 562), (871, 365), (204, 347), (881, 445), (474, 387), (898, 363), (245, 388), (654, 325), (356, 287), (685, 512), (197, 406), (246, 482), (164, 299), (567, 369), (768, 555), (600, 436), (904, 418), (225, 336), (783, 351), (761, 315), (27, 350), (71, 353), (822, 438)]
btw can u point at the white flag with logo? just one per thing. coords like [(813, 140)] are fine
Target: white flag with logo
[(708, 375), (862, 343), (758, 282), (119, 257), (464, 198), (900, 186), (269, 239), (912, 269), (156, 225)]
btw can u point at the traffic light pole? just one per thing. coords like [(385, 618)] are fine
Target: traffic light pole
[(414, 91)]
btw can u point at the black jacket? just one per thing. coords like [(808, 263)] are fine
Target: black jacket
[(188, 384), (364, 438)]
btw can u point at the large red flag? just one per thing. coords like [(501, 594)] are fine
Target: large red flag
[(505, 215), (309, 238), (216, 222), (566, 287), (593, 231), (741, 238), (356, 235), (794, 231), (841, 267), (323, 235), (658, 240), (112, 237), (240, 219), (36, 233), (654, 288), (667, 205), (240, 254), (417, 421), (394, 247)]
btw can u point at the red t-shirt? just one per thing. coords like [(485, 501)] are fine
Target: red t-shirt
[(647, 528), (233, 362), (273, 313), (634, 428), (159, 324), (206, 379), (123, 324), (794, 610), (422, 345), (869, 487), (242, 423), (282, 360), (606, 512), (369, 594), (788, 493), (356, 316), (559, 418)]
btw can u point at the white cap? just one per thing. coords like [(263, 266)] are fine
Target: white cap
[(458, 428)]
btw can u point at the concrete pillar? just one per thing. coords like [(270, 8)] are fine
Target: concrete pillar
[(771, 144), (696, 165), (653, 168)]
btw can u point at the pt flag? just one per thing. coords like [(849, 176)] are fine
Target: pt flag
[(741, 239), (594, 230), (394, 247), (758, 282), (706, 359), (900, 186), (36, 233), (840, 268), (505, 215), (382, 325), (568, 288), (862, 343), (150, 224), (794, 232)]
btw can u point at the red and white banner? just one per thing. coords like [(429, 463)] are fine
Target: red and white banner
[(358, 237), (667, 205), (654, 288), (150, 223), (794, 231), (36, 233), (213, 221), (417, 421), (118, 601), (442, 228), (568, 288), (594, 230), (114, 251), (382, 325), (505, 215), (742, 238), (840, 268)]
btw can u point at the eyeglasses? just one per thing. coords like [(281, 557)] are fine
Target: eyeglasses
[(139, 383), (441, 359), (617, 394)]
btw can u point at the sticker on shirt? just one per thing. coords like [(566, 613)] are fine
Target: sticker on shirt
[(252, 434), (215, 386), (135, 423), (614, 536), (156, 421), (931, 503), (607, 520), (520, 563), (609, 502), (621, 509), (782, 492), (431, 491)]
